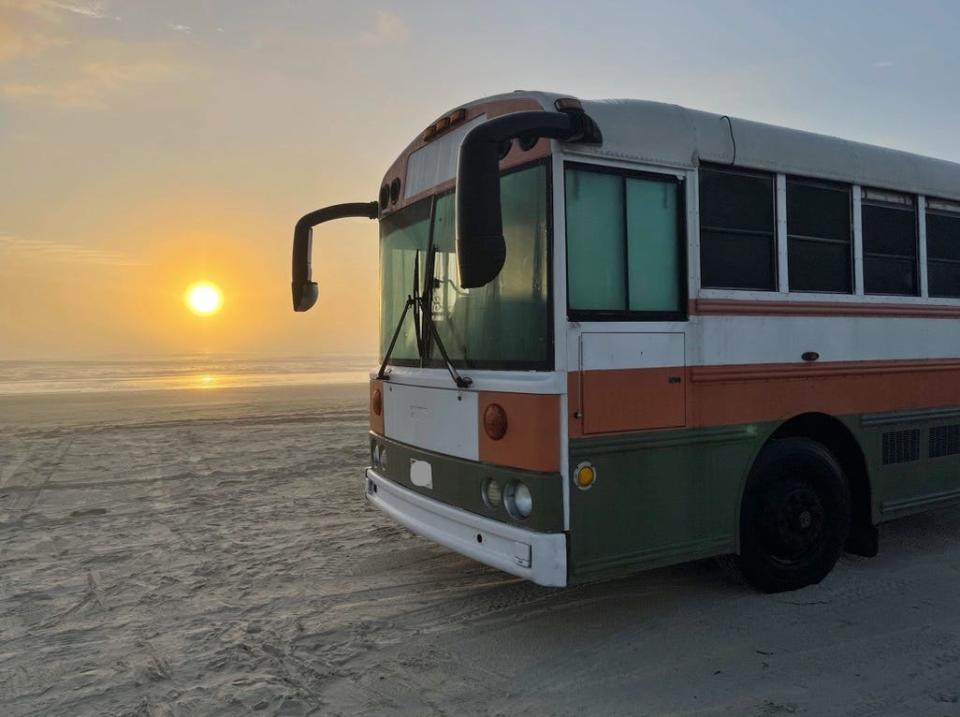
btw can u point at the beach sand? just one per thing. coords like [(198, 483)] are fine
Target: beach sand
[(210, 552)]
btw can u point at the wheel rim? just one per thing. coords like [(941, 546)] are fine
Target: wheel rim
[(792, 521)]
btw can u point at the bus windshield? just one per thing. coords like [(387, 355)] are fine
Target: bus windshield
[(503, 325)]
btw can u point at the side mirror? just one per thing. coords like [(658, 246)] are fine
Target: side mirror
[(481, 249), (305, 290)]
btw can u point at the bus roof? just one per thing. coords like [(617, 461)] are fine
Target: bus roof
[(657, 133)]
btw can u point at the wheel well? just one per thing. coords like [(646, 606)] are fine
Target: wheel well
[(838, 439)]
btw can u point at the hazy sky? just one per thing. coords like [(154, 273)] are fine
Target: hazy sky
[(147, 145)]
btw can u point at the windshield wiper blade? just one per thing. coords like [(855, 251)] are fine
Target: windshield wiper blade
[(382, 373), (415, 303), (461, 381)]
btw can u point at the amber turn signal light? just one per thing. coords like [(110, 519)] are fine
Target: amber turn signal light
[(495, 421), (585, 475), (376, 402)]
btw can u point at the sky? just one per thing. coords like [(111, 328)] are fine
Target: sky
[(148, 145)]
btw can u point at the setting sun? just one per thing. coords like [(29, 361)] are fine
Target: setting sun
[(204, 298)]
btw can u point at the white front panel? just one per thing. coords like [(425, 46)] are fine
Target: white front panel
[(440, 420), (631, 350)]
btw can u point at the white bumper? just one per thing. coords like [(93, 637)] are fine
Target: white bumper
[(538, 557)]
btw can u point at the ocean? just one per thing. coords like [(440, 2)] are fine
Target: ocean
[(199, 372)]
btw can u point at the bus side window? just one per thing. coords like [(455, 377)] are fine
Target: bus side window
[(889, 243), (624, 253), (943, 248), (819, 236), (737, 230)]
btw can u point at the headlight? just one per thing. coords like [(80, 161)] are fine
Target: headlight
[(492, 495), (518, 500), (378, 456)]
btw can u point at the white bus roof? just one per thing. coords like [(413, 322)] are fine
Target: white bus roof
[(663, 134)]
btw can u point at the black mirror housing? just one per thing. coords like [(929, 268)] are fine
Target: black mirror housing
[(481, 249)]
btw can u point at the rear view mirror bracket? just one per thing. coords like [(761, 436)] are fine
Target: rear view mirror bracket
[(305, 290)]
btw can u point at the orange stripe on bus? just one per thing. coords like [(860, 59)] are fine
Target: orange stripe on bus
[(532, 440), (730, 395)]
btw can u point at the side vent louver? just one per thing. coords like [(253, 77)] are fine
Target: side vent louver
[(944, 441), (901, 446)]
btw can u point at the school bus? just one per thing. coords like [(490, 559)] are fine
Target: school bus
[(617, 335)]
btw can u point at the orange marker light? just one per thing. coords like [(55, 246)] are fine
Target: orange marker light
[(495, 421), (458, 116), (585, 476)]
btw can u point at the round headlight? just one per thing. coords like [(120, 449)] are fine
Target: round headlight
[(518, 500), (383, 458), (492, 495)]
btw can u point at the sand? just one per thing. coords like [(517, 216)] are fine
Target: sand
[(190, 552)]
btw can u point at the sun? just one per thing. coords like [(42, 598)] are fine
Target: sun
[(204, 298)]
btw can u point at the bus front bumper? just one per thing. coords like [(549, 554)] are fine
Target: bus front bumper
[(538, 557)]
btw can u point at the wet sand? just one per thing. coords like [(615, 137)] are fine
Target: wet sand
[(210, 552)]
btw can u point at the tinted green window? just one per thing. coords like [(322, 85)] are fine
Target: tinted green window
[(403, 252), (595, 252), (623, 243), (506, 322), (653, 246)]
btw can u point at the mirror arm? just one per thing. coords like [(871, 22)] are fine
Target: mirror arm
[(305, 291)]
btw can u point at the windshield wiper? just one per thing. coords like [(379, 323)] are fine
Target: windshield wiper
[(416, 303), (425, 329)]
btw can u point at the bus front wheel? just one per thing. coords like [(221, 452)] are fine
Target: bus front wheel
[(795, 516)]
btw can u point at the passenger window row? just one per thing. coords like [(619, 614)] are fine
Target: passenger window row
[(738, 236)]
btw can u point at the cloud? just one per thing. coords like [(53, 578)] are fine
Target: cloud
[(389, 29), (15, 42), (61, 252), (84, 8), (184, 29), (90, 86)]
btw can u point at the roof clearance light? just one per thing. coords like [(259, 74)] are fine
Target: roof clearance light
[(429, 133), (495, 421), (458, 116), (443, 124), (568, 103), (585, 476)]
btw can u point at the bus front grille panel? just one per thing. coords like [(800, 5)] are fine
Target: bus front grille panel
[(901, 446), (944, 441)]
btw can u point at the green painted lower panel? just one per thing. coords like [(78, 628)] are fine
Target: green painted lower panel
[(660, 497), (664, 497)]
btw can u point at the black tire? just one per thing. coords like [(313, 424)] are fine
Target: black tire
[(795, 516)]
